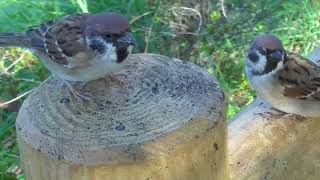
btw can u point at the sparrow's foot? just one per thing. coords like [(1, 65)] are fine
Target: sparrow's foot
[(275, 114), (119, 81), (80, 96)]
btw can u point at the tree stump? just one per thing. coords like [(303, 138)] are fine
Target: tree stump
[(158, 118), (268, 144)]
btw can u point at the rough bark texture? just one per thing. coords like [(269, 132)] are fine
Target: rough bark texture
[(268, 144), (158, 118)]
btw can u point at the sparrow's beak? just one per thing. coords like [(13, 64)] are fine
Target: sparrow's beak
[(127, 39)]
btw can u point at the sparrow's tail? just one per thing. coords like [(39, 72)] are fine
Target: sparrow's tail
[(9, 39)]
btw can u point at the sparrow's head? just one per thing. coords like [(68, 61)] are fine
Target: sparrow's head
[(265, 55), (109, 35)]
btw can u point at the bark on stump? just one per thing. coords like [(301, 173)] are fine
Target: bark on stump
[(267, 144), (164, 119)]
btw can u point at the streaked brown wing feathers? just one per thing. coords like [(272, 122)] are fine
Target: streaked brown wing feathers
[(300, 79), (60, 39)]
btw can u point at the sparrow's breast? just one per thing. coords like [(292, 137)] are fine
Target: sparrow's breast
[(267, 87), (90, 70)]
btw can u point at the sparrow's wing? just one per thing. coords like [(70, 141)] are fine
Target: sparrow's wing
[(61, 39), (300, 78)]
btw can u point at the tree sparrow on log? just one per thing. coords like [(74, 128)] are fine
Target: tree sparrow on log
[(78, 47), (285, 80)]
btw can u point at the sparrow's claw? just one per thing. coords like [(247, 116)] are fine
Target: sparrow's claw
[(275, 114), (119, 81), (272, 115), (77, 93), (81, 96)]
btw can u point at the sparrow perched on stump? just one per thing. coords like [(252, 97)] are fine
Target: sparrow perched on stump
[(78, 47), (286, 80)]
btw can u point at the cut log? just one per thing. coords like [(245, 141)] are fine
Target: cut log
[(268, 144), (158, 118)]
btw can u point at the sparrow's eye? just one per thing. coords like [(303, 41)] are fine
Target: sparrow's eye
[(276, 55), (107, 36), (262, 51)]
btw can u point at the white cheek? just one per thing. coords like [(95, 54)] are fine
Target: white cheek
[(130, 49), (87, 41), (110, 55), (259, 66)]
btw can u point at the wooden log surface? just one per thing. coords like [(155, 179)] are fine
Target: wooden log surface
[(157, 118), (267, 144)]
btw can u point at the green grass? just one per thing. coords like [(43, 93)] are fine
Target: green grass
[(220, 47)]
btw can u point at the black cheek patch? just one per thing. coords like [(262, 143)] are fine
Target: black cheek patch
[(97, 46), (122, 54), (271, 65), (253, 57)]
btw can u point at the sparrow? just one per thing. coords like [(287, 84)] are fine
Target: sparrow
[(287, 81), (77, 47)]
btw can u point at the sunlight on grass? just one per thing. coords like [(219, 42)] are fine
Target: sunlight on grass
[(83, 5)]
